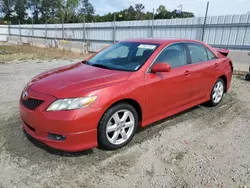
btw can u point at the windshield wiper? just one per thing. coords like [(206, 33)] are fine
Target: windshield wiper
[(101, 66), (86, 62), (96, 65)]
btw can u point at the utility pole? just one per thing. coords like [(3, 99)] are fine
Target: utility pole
[(205, 22)]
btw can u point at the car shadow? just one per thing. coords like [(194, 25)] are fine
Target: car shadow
[(14, 142), (17, 146), (143, 134), (168, 119), (151, 130)]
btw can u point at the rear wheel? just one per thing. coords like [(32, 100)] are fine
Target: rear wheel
[(247, 77), (217, 93), (117, 126)]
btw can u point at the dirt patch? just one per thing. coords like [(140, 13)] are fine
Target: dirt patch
[(25, 52), (201, 147), (4, 52)]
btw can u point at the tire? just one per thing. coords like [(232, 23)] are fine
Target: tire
[(247, 77), (115, 130), (214, 101)]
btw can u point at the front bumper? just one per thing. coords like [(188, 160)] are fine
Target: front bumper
[(74, 142), (79, 127)]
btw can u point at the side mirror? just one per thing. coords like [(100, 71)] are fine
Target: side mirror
[(161, 67)]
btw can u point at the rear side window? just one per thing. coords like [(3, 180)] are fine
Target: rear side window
[(210, 55), (198, 52)]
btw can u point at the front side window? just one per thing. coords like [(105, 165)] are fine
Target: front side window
[(198, 52), (175, 55), (125, 56)]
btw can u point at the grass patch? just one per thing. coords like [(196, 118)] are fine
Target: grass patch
[(27, 52)]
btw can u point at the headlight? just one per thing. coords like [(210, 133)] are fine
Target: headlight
[(71, 104)]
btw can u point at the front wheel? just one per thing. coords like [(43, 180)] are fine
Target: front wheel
[(217, 93), (117, 126)]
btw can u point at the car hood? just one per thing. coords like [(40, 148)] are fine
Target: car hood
[(74, 80)]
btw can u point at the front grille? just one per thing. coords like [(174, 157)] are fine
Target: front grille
[(32, 104)]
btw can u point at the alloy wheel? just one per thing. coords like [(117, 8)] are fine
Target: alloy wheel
[(218, 92), (120, 127)]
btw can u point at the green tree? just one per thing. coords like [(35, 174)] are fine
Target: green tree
[(1, 7), (162, 13), (50, 11), (7, 8), (148, 16), (182, 14), (187, 15), (139, 8), (68, 10), (20, 10), (74, 11), (87, 10), (131, 13), (35, 7)]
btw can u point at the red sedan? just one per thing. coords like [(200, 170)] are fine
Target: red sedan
[(103, 100)]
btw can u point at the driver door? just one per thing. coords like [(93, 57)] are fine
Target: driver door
[(168, 91)]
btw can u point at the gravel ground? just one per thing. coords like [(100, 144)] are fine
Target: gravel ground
[(202, 147)]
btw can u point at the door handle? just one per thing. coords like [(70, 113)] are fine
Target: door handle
[(216, 64), (187, 73)]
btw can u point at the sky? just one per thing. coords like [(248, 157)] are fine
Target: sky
[(198, 7)]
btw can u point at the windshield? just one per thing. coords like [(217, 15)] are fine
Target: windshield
[(125, 56)]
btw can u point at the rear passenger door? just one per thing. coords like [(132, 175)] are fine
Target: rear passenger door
[(202, 69)]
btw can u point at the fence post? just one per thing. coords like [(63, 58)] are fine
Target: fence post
[(63, 35), (32, 42), (46, 34), (20, 34), (114, 31), (9, 24), (153, 18), (46, 30), (205, 22), (56, 42), (84, 35), (82, 38)]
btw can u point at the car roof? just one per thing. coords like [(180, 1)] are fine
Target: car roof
[(160, 40)]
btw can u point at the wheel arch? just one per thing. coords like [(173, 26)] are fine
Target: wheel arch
[(224, 78), (130, 101), (133, 103)]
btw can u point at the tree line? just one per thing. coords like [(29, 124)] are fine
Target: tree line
[(75, 11)]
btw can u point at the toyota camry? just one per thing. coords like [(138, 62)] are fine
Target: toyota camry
[(103, 100)]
